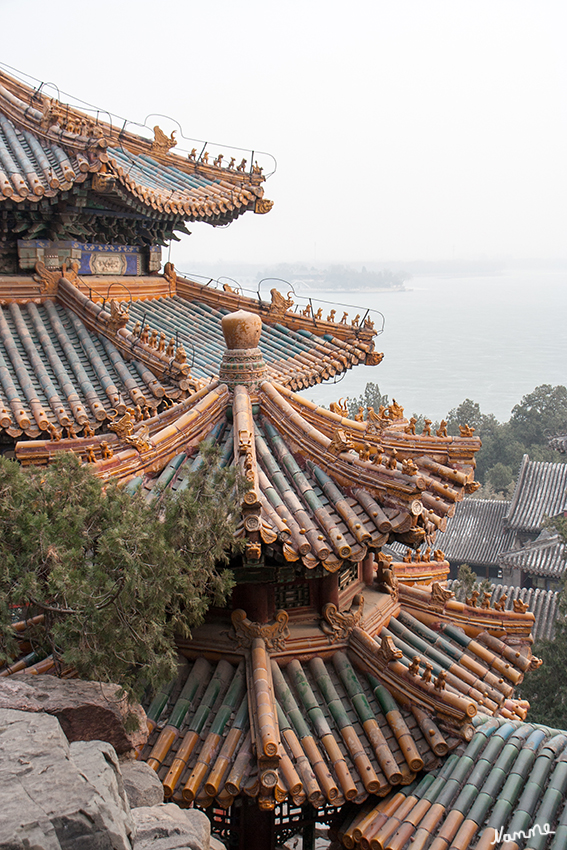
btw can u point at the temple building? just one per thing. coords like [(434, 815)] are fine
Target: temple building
[(341, 684), (507, 540)]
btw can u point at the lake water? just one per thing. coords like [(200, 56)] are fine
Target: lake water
[(488, 338)]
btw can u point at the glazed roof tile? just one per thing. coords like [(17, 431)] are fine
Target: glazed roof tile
[(542, 603), (476, 534), (330, 728), (512, 776), (444, 652), (541, 491), (437, 607), (196, 196), (32, 168), (314, 503), (542, 557), (46, 147), (358, 715), (322, 732), (54, 372), (296, 357)]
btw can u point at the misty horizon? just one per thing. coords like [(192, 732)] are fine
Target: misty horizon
[(426, 132)]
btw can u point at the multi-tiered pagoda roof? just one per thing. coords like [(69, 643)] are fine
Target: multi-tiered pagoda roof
[(338, 673)]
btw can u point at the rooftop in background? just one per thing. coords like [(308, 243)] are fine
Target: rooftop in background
[(477, 535), (541, 491), (544, 556)]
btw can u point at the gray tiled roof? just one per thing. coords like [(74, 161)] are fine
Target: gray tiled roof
[(544, 556), (476, 534), (541, 490)]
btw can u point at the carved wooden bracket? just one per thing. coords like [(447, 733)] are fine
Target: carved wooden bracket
[(339, 624), (245, 631)]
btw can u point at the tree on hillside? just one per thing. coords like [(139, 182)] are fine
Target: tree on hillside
[(467, 413), (114, 577), (546, 687), (371, 397), (540, 414)]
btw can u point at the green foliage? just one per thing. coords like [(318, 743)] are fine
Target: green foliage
[(116, 578), (372, 397), (500, 476), (467, 581), (545, 688), (540, 414), (467, 413)]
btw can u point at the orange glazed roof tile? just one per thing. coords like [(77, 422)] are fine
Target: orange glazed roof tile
[(506, 789), (46, 147)]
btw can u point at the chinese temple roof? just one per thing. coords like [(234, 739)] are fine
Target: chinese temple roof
[(326, 702), (477, 533), (352, 670), (543, 604), (65, 348), (511, 777), (541, 491), (544, 556), (48, 149), (324, 489), (326, 713), (57, 374)]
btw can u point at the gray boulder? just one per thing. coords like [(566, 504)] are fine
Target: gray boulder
[(167, 827), (141, 784), (56, 796), (87, 711)]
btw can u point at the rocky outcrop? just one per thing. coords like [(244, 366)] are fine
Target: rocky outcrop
[(55, 795), (87, 711), (141, 784), (167, 827)]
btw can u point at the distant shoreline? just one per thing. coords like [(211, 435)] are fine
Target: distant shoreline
[(312, 291)]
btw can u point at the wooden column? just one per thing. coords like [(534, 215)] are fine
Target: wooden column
[(256, 831), (368, 569), (252, 598), (329, 590)]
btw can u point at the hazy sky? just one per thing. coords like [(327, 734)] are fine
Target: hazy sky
[(403, 129)]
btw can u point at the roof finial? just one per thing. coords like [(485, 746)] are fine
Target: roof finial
[(242, 362)]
